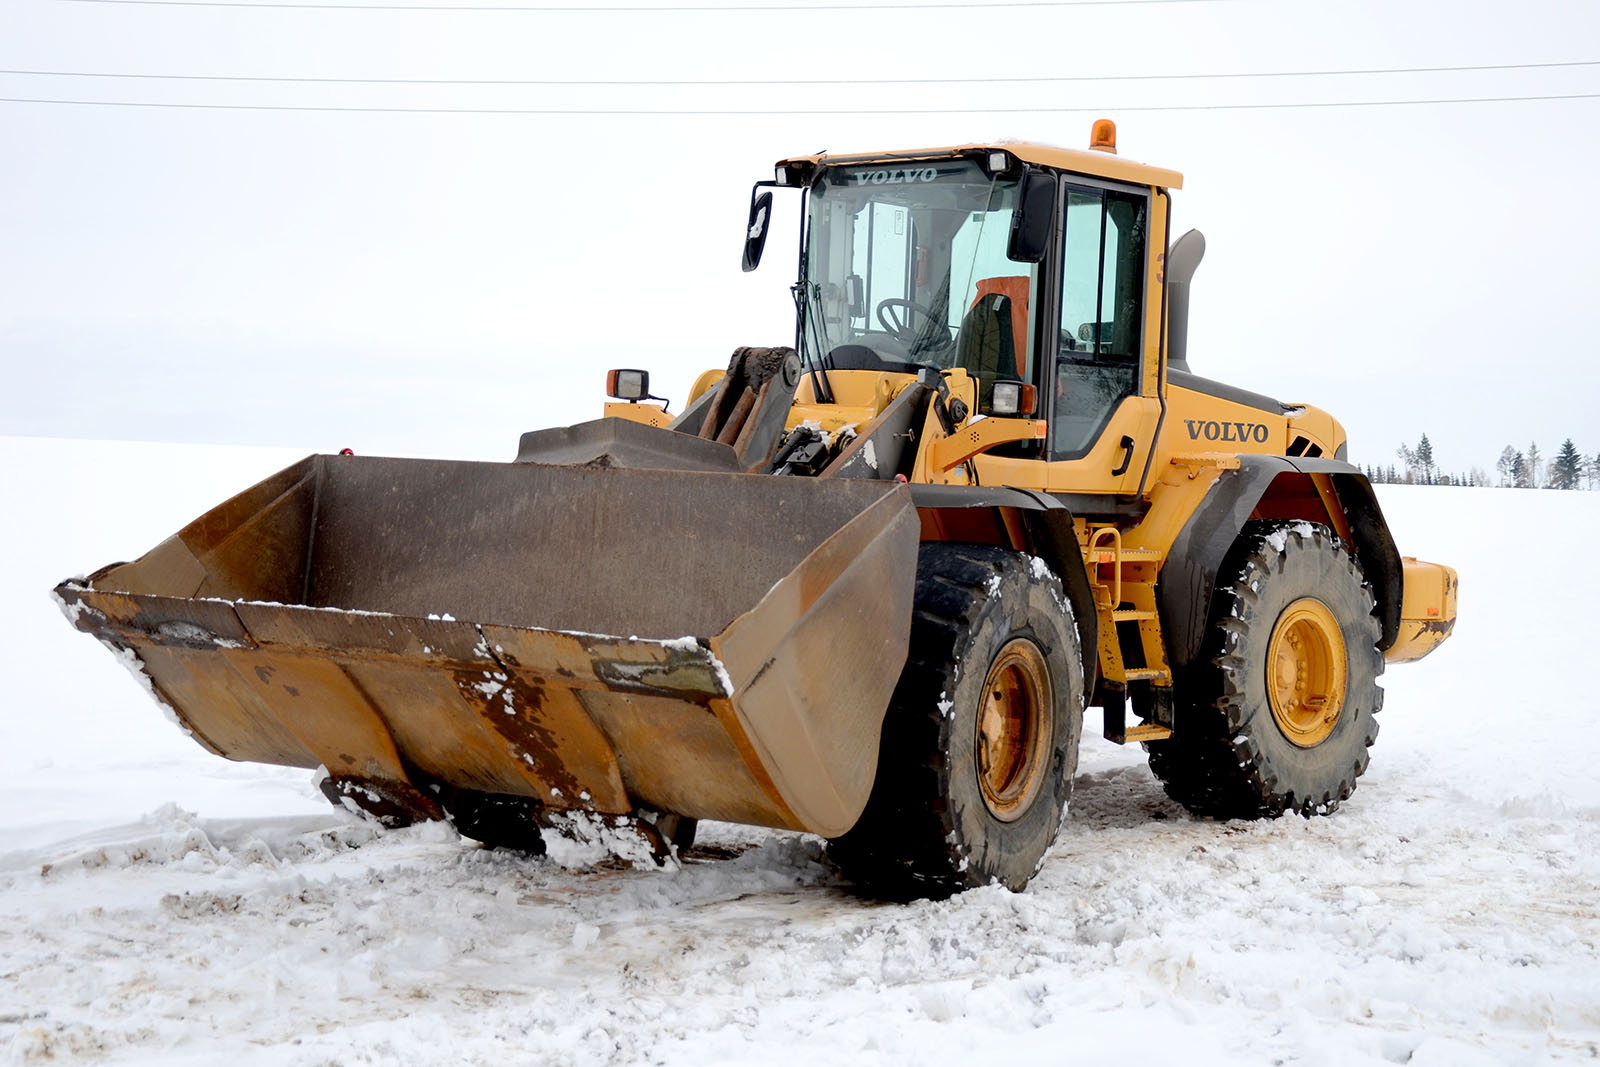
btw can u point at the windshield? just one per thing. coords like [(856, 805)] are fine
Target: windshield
[(908, 261)]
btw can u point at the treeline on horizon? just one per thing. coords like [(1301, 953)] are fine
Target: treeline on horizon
[(1515, 469)]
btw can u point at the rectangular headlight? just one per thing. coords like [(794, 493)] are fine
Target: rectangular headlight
[(627, 384), (1012, 398)]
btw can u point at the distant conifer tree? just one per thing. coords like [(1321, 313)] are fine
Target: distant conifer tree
[(1567, 470), (1424, 458)]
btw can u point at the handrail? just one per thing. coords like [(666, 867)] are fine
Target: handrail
[(1116, 558)]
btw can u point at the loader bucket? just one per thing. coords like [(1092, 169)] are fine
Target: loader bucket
[(718, 646)]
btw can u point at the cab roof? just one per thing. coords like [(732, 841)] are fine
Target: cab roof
[(1095, 164)]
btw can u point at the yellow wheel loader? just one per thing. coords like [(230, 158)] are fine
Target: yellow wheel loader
[(863, 587)]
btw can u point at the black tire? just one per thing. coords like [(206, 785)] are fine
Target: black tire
[(496, 820), (1257, 732), (971, 788)]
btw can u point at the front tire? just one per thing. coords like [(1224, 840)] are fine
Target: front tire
[(980, 742), (1277, 713), (497, 820)]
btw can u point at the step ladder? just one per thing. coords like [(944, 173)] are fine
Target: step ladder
[(1123, 582)]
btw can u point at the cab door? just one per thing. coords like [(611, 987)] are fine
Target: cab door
[(1103, 408)]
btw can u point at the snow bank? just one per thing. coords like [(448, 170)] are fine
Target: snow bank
[(158, 905)]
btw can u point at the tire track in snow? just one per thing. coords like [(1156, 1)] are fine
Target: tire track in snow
[(332, 934)]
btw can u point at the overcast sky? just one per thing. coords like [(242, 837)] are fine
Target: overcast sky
[(436, 283)]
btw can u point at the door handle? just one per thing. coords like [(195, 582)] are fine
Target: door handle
[(1127, 456)]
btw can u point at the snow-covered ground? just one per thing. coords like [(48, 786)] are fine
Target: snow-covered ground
[(160, 905)]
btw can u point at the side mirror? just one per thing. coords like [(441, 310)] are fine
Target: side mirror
[(755, 234), (855, 296), (1032, 224)]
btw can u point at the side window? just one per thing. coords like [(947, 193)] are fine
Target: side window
[(1102, 312)]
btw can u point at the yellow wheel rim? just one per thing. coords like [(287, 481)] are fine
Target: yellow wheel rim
[(1306, 672), (1015, 727)]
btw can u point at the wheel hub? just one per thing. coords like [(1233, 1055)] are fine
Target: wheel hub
[(1307, 672), (1014, 729)]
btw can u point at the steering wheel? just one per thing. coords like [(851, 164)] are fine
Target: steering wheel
[(907, 321)]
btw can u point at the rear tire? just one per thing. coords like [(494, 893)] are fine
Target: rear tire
[(980, 742), (1277, 713)]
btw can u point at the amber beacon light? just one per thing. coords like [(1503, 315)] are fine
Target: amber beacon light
[(1103, 136)]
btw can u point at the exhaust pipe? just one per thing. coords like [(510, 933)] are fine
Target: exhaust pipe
[(1182, 259)]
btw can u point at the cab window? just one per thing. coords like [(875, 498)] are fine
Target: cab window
[(906, 267), (1102, 313)]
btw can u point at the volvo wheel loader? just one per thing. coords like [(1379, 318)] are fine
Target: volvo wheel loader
[(863, 586)]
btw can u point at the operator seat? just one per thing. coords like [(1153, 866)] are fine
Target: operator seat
[(1016, 287), (985, 346)]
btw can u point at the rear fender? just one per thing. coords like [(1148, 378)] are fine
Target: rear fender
[(1264, 487)]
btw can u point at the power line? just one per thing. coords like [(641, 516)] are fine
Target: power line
[(643, 9), (759, 112), (622, 82)]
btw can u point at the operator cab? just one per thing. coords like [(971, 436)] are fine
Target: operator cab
[(908, 263)]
